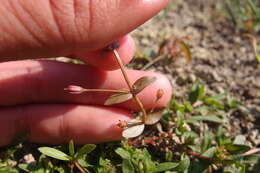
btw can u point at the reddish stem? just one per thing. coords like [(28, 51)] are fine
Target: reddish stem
[(79, 167)]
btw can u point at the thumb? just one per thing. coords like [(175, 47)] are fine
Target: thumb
[(39, 29)]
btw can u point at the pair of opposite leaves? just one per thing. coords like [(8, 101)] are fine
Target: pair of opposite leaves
[(135, 127)]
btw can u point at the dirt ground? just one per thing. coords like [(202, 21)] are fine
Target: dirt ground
[(221, 57)]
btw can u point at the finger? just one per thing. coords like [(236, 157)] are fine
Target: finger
[(57, 124), (24, 82), (33, 29), (105, 59)]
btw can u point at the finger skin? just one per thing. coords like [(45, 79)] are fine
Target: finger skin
[(25, 82), (33, 29), (105, 59), (57, 124)]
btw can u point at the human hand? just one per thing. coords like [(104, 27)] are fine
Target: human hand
[(32, 97)]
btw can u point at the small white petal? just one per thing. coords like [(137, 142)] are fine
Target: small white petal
[(133, 131)]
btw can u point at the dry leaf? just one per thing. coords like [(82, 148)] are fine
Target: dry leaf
[(142, 83), (134, 129), (186, 50), (118, 98), (154, 117)]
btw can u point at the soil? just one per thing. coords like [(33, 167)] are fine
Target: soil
[(221, 57)]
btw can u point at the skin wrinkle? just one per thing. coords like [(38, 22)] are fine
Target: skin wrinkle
[(74, 8), (27, 11), (82, 21), (36, 85), (59, 28), (54, 9), (67, 14), (90, 15), (37, 40), (20, 27)]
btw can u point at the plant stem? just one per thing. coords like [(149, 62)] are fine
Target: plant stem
[(198, 155), (138, 101), (79, 167), (105, 90), (121, 65)]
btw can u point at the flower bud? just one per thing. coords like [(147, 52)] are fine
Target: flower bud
[(159, 94), (74, 89)]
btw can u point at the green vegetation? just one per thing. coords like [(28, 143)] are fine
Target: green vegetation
[(244, 13), (196, 138)]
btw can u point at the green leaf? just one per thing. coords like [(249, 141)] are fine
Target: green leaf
[(8, 170), (127, 166), (216, 100), (210, 152), (83, 163), (184, 163), (199, 166), (212, 102), (24, 167), (149, 165), (71, 148), (123, 153), (54, 153), (85, 150), (189, 137), (176, 107), (188, 107), (105, 166), (206, 142), (197, 92), (252, 159), (221, 137), (166, 166), (236, 148), (219, 97), (235, 168), (169, 156), (181, 118), (211, 118), (232, 103)]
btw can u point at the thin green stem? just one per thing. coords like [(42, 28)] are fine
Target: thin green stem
[(136, 98), (105, 90)]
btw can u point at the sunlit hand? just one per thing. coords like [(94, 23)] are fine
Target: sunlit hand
[(32, 96)]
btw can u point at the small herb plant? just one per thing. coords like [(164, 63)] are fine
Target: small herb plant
[(196, 137), (74, 159), (136, 126)]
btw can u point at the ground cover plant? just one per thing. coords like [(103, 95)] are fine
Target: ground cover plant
[(244, 14), (206, 127), (193, 136)]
